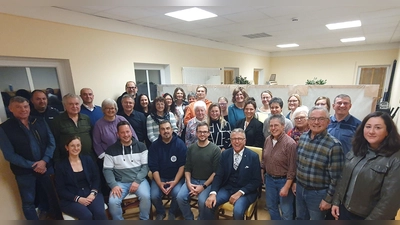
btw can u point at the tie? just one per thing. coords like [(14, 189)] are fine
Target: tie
[(236, 161)]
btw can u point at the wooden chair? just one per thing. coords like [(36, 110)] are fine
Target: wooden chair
[(252, 209)]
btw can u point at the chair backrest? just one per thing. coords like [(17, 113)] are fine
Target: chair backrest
[(257, 150)]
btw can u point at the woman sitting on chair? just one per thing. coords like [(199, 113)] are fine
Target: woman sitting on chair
[(77, 182)]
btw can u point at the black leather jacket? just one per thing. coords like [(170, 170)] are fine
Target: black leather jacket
[(376, 194)]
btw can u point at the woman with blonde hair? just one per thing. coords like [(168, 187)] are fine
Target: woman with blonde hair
[(220, 129), (294, 101)]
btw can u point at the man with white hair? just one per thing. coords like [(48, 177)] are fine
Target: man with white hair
[(320, 161), (71, 122)]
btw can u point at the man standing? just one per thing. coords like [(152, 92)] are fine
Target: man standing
[(319, 164), (125, 170), (40, 107), (201, 94), (130, 89), (167, 158), (343, 125), (202, 161), (134, 117), (94, 112), (71, 122), (279, 164), (276, 105), (237, 179), (27, 143)]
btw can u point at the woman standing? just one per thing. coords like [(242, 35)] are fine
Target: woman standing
[(223, 104), (300, 121), (180, 106), (143, 105), (235, 111), (105, 129), (294, 101), (77, 182), (264, 111), (252, 127), (369, 185), (159, 113), (323, 101), (220, 129), (200, 108)]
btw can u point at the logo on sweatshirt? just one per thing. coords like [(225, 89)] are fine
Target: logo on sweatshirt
[(173, 158)]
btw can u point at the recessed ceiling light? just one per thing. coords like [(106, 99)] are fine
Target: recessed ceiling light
[(191, 14), (352, 39), (288, 45), (348, 24)]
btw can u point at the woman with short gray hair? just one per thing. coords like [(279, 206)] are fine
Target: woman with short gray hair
[(105, 129)]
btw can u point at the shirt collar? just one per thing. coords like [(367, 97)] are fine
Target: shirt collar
[(240, 153)]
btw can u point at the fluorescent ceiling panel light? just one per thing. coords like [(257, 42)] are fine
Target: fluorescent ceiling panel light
[(191, 14), (352, 39), (348, 24), (288, 45)]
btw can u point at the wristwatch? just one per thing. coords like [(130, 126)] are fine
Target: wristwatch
[(204, 186)]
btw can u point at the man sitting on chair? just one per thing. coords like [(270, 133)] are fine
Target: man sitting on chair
[(237, 179)]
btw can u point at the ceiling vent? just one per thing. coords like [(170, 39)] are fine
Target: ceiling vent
[(258, 35)]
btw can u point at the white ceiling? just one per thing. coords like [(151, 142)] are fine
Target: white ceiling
[(380, 23)]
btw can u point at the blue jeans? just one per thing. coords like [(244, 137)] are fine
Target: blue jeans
[(27, 190), (239, 208), (307, 203), (157, 194), (272, 189), (183, 199), (143, 193)]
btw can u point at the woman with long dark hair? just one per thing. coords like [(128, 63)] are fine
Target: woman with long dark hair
[(369, 185)]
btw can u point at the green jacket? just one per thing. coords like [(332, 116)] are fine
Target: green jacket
[(63, 127)]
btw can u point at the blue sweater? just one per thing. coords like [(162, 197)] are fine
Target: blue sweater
[(234, 115), (94, 115), (166, 159)]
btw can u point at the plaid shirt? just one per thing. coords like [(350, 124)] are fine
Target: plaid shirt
[(319, 162)]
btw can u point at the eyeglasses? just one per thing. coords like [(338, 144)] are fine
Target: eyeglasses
[(222, 104), (202, 132), (109, 109), (319, 119), (299, 118), (237, 139), (131, 87), (342, 103)]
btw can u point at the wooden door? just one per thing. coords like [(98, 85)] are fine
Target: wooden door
[(228, 76), (255, 77), (374, 75)]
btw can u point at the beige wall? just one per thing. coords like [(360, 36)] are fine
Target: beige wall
[(104, 60), (336, 68)]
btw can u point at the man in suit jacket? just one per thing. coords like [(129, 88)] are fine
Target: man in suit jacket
[(237, 179)]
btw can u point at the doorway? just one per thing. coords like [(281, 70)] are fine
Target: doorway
[(374, 75)]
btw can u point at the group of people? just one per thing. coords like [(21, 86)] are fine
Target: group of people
[(313, 165)]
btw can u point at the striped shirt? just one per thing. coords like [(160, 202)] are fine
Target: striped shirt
[(319, 162)]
